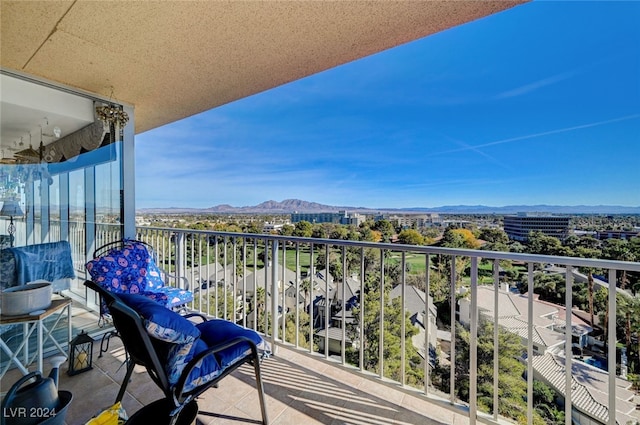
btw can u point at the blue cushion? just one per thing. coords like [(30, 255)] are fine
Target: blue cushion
[(127, 270), (218, 331), (174, 296), (205, 370), (160, 322)]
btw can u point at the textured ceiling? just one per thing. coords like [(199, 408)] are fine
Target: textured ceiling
[(173, 59)]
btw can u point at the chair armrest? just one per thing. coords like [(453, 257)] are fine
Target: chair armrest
[(184, 280), (198, 315)]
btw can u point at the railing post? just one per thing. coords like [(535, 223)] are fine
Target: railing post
[(327, 302), (274, 296), (181, 256), (381, 321), (568, 346), (452, 297), (283, 299), (612, 346), (311, 305), (361, 315), (298, 275), (225, 247), (244, 282), (427, 325), (530, 288), (343, 358), (473, 344), (403, 329), (496, 336)]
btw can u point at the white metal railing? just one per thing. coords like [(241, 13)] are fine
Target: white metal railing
[(227, 273), (292, 303)]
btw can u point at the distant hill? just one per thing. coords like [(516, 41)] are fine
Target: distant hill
[(289, 206)]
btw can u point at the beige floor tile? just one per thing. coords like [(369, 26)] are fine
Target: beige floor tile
[(300, 390)]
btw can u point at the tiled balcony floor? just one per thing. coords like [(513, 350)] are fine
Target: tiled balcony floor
[(299, 390)]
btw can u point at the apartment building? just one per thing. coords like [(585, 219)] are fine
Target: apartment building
[(407, 221), (518, 226), (341, 217)]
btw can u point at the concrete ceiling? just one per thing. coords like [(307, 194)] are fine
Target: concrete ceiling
[(174, 59)]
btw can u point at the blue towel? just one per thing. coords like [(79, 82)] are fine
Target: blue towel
[(47, 261)]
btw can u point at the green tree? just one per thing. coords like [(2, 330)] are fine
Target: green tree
[(539, 243), (287, 230), (303, 229), (618, 249), (393, 316), (628, 326), (385, 228), (451, 239), (438, 285), (254, 226), (224, 301), (550, 287), (586, 252), (339, 232), (411, 237), (511, 385), (459, 238), (544, 405), (303, 329), (493, 235)]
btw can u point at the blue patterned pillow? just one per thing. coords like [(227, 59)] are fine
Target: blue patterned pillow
[(160, 322), (218, 331), (128, 270)]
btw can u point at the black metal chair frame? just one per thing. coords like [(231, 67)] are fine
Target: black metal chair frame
[(119, 244), (140, 350)]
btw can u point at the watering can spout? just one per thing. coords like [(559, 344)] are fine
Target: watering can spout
[(56, 362)]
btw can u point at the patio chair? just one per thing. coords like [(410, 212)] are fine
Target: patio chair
[(183, 358), (130, 266)]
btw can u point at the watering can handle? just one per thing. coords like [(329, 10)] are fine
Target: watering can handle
[(15, 387)]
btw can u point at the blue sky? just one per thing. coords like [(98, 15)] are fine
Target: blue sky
[(539, 104)]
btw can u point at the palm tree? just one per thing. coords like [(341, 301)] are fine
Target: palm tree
[(589, 253), (629, 309), (618, 249)]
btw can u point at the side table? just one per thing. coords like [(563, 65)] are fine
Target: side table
[(31, 322)]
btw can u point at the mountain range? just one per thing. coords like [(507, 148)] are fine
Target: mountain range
[(289, 206)]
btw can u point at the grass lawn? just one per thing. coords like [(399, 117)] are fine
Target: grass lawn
[(290, 254), (416, 262)]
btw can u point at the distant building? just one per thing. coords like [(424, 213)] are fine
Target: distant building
[(272, 227), (617, 234), (407, 221), (341, 217), (518, 227)]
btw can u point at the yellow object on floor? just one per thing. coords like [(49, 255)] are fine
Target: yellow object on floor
[(114, 415)]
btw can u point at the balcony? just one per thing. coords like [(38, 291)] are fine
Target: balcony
[(438, 365), (300, 390), (228, 274)]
